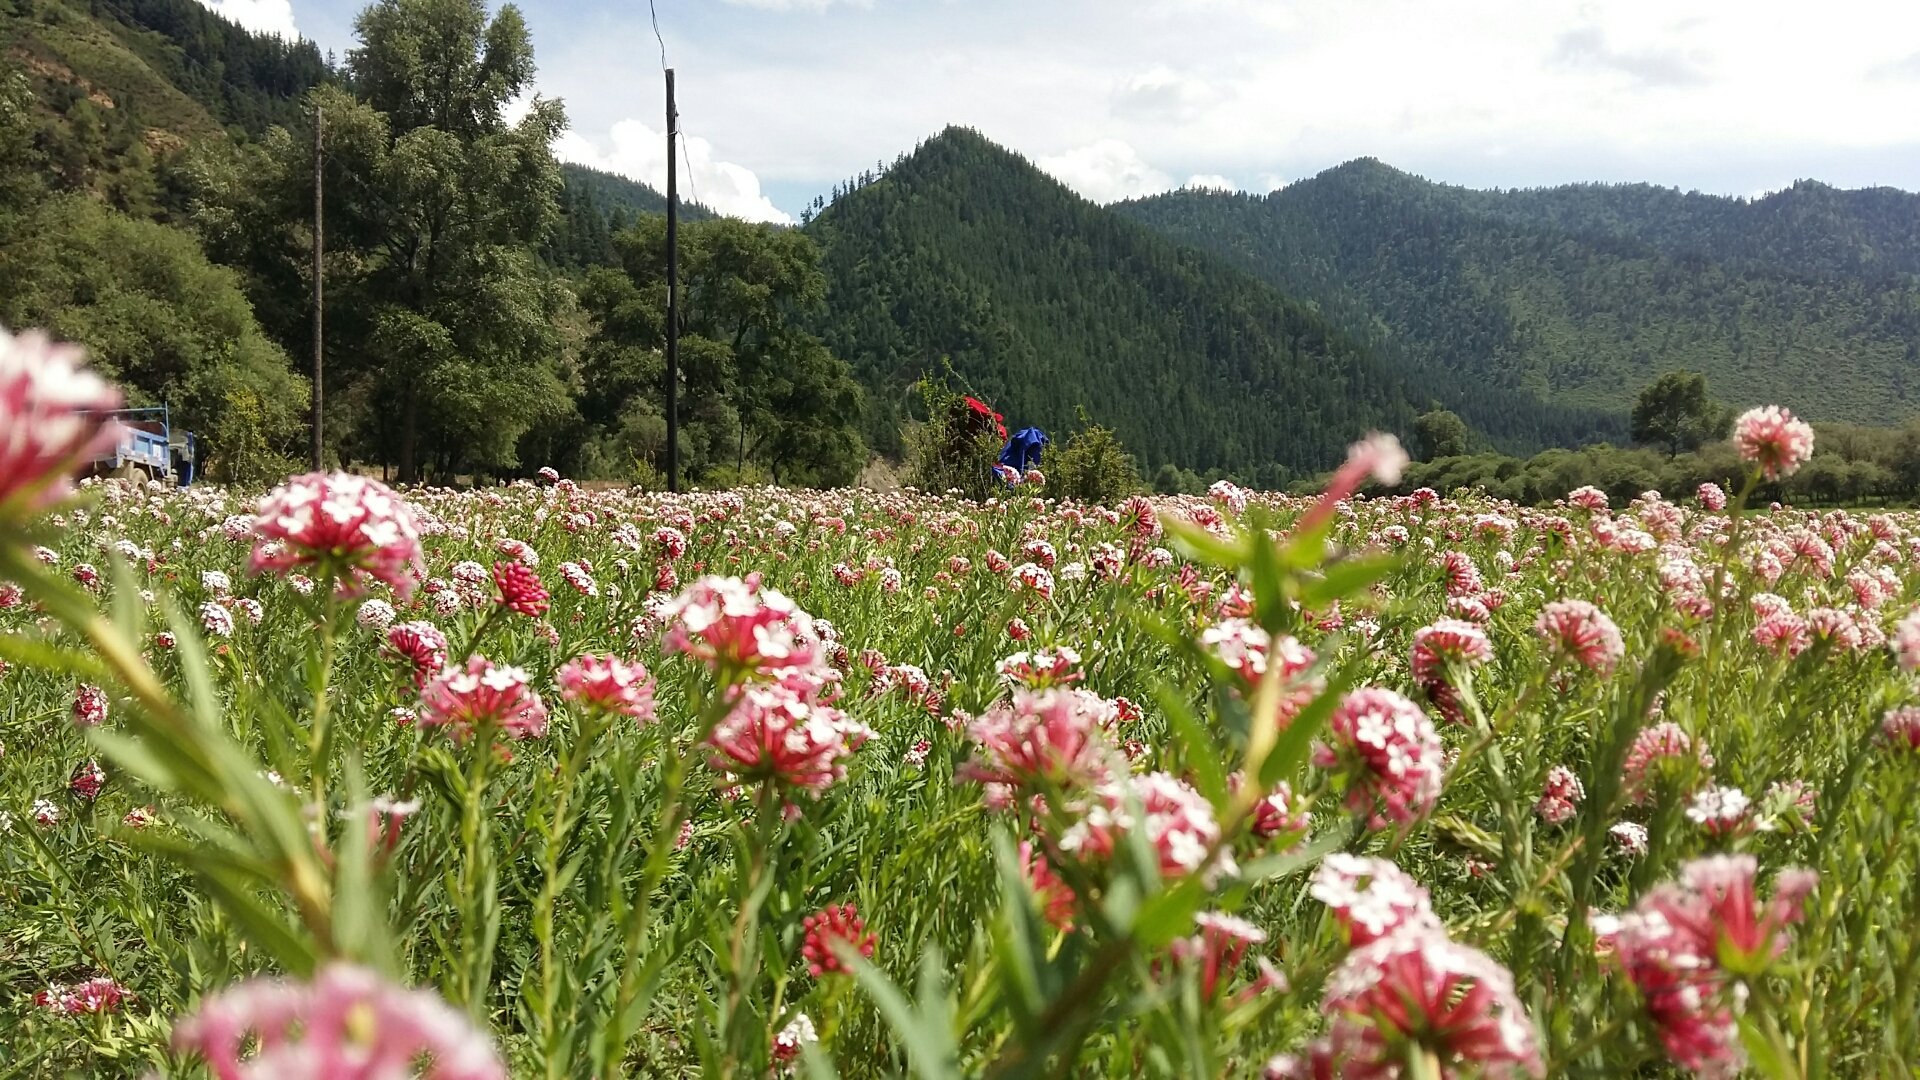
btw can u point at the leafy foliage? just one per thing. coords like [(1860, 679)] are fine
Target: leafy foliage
[(1439, 433), (1675, 411), (1091, 467), (955, 447), (758, 391), (162, 321)]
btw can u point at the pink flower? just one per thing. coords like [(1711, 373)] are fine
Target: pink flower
[(347, 1024), (100, 994), (580, 577), (1277, 814), (1371, 897), (1391, 752), (1377, 457), (1712, 497), (1587, 498), (1905, 641), (1658, 752), (828, 930), (1042, 737), (1033, 578), (1900, 728), (1773, 439), (798, 1033), (87, 780), (1721, 810), (89, 706), (520, 589), (780, 734), (608, 683), (673, 542), (1577, 629), (1683, 939), (1178, 823), (347, 524), (1562, 794), (1463, 577), (1218, 949), (1630, 837), (1041, 668), (1451, 1000), (1440, 648), (1055, 897), (52, 421), (736, 626), (420, 644), (1783, 634), (1249, 650), (483, 695)]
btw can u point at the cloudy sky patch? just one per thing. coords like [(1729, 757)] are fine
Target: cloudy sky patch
[(785, 98)]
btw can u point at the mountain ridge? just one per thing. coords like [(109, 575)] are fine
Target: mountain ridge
[(1580, 295), (1043, 301)]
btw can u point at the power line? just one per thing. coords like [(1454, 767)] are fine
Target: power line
[(693, 191), (656, 34)]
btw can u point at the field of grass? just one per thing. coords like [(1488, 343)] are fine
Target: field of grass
[(1232, 786)]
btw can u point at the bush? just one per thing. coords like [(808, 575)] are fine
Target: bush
[(1092, 467), (956, 446)]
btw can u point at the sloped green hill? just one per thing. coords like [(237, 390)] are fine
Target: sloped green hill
[(1045, 303), (1582, 295)]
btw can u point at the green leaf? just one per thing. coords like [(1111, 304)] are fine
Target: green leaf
[(1347, 578), (1197, 748), (1295, 859)]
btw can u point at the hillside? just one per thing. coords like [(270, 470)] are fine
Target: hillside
[(121, 84), (1045, 303), (1583, 294)]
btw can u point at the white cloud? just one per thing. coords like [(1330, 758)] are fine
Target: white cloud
[(1212, 182), (260, 16), (1105, 171), (1161, 93), (1118, 97), (639, 152)]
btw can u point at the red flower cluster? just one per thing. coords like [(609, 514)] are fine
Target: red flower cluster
[(97, 995), (520, 589), (1685, 939), (832, 928), (1391, 752)]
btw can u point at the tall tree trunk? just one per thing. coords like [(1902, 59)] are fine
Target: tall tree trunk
[(409, 427)]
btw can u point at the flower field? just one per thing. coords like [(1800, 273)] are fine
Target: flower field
[(543, 781)]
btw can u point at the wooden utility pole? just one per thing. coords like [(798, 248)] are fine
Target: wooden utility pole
[(673, 290), (319, 299)]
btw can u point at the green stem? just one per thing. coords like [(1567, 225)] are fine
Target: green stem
[(639, 913), (476, 961), (319, 733), (743, 954), (558, 825)]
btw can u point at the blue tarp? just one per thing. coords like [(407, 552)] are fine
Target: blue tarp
[(1023, 449)]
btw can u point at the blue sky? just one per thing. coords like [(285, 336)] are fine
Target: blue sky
[(782, 98)]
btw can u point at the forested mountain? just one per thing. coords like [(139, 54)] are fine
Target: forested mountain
[(595, 206), (1046, 303), (122, 85), (1581, 294)]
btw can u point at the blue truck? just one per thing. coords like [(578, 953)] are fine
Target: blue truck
[(149, 448)]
